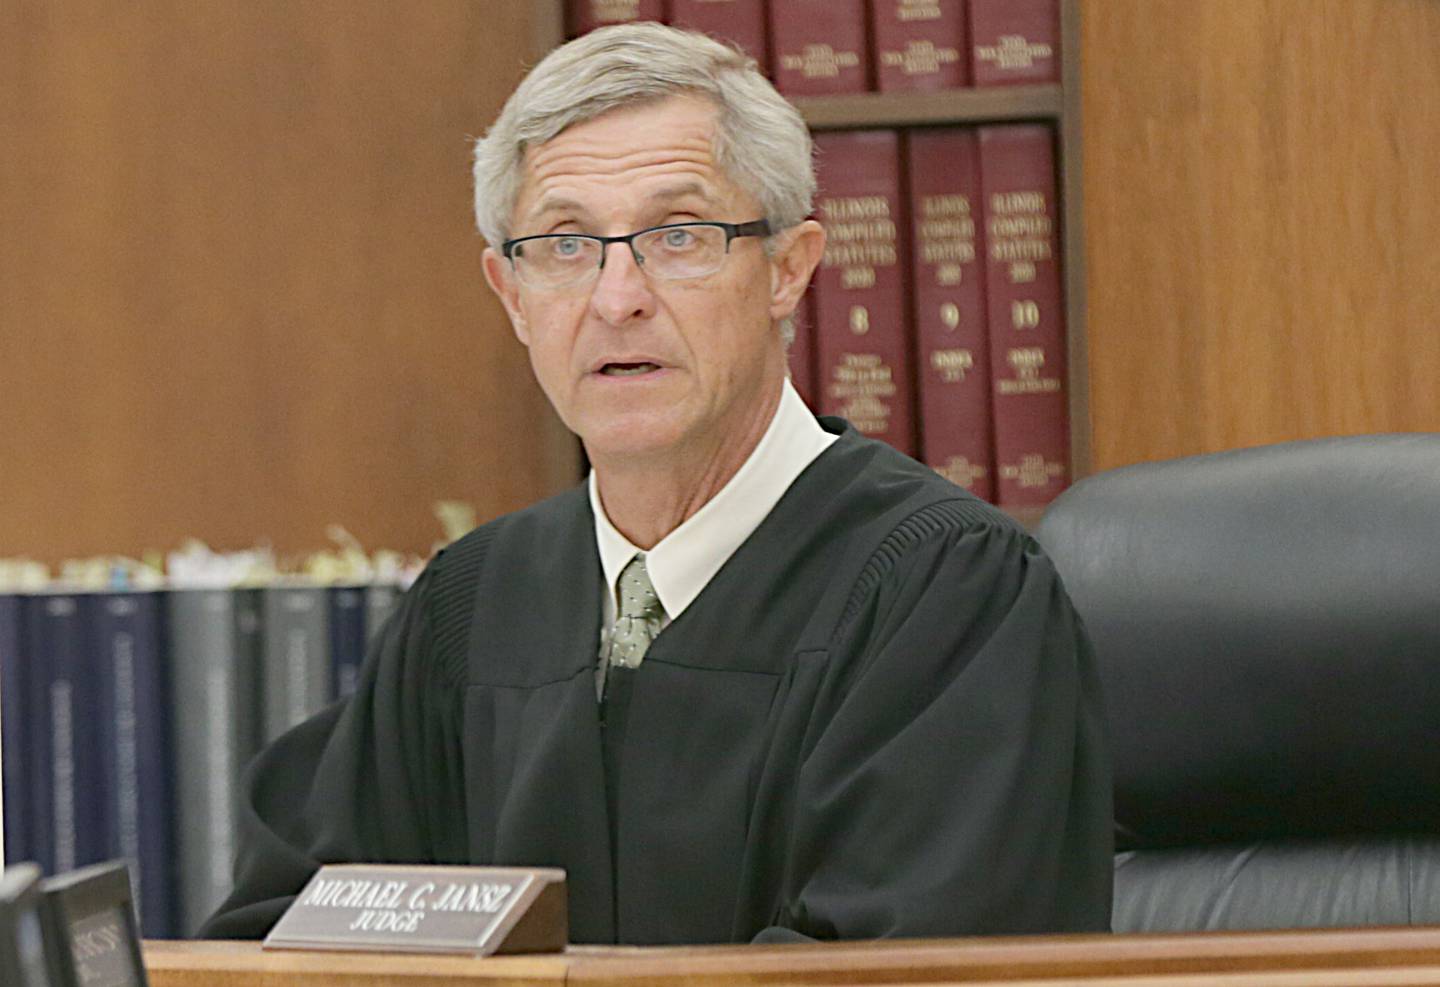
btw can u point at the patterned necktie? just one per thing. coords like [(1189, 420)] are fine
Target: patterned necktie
[(639, 618)]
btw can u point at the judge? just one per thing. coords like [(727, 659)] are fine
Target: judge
[(760, 677)]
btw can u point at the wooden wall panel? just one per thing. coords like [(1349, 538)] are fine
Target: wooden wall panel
[(1262, 221), (240, 290), (240, 295)]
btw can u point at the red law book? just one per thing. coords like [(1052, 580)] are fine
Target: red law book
[(919, 44), (952, 352), (818, 46), (1025, 313), (802, 350), (1014, 42), (861, 347), (586, 15), (740, 22)]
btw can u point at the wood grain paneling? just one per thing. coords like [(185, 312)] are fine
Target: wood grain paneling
[(240, 290), (1262, 225), (240, 295)]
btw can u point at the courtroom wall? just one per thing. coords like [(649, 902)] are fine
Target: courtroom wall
[(1261, 221), (240, 294), (240, 289)]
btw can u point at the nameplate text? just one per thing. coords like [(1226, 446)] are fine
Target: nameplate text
[(427, 909)]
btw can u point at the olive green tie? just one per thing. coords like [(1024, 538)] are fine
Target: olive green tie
[(640, 612)]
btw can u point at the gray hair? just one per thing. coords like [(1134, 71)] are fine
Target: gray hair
[(761, 142)]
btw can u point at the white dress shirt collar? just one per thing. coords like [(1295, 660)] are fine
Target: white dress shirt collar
[(683, 562)]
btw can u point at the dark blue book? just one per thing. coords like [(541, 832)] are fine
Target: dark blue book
[(134, 712), (14, 735), (67, 817), (347, 637)]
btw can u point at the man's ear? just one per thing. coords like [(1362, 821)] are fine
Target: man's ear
[(502, 281), (797, 254)]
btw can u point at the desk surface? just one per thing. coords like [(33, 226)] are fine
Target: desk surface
[(1322, 958)]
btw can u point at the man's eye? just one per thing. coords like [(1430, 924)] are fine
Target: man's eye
[(567, 246), (678, 239)]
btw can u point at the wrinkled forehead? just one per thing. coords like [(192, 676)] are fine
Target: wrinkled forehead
[(638, 155)]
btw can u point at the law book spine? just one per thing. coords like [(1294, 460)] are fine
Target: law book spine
[(952, 353), (67, 821), (134, 749), (738, 22), (14, 731), (919, 45), (1025, 313), (381, 599), (248, 634), (1014, 42), (582, 16), (818, 47), (861, 345), (347, 637), (296, 664), (212, 657)]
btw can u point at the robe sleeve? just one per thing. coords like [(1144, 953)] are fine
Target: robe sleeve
[(954, 779), (375, 778)]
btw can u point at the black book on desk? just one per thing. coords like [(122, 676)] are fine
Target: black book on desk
[(25, 956), (89, 920)]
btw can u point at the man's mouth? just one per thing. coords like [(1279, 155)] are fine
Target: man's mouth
[(628, 369)]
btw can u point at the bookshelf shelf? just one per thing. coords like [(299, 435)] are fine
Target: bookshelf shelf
[(943, 107)]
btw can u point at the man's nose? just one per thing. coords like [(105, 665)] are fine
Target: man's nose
[(622, 291)]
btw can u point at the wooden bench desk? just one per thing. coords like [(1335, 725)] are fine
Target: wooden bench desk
[(1323, 958)]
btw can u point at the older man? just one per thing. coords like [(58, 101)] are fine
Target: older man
[(760, 678)]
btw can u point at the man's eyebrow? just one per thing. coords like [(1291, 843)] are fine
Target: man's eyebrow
[(558, 204), (687, 189)]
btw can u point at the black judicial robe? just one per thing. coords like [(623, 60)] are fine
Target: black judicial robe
[(880, 718)]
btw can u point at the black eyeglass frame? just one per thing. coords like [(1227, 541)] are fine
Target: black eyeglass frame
[(756, 227)]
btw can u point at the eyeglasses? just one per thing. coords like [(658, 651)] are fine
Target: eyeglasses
[(672, 252)]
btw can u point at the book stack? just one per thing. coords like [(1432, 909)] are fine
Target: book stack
[(940, 292), (824, 47), (129, 713)]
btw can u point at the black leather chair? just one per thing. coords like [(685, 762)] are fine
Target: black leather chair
[(1267, 624)]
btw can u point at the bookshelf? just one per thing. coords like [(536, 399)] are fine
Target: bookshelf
[(1058, 105)]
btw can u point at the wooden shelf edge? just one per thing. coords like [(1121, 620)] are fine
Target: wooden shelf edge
[(949, 106)]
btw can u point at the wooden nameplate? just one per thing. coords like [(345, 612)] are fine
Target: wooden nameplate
[(427, 909)]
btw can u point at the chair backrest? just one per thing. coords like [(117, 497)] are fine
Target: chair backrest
[(1267, 625)]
